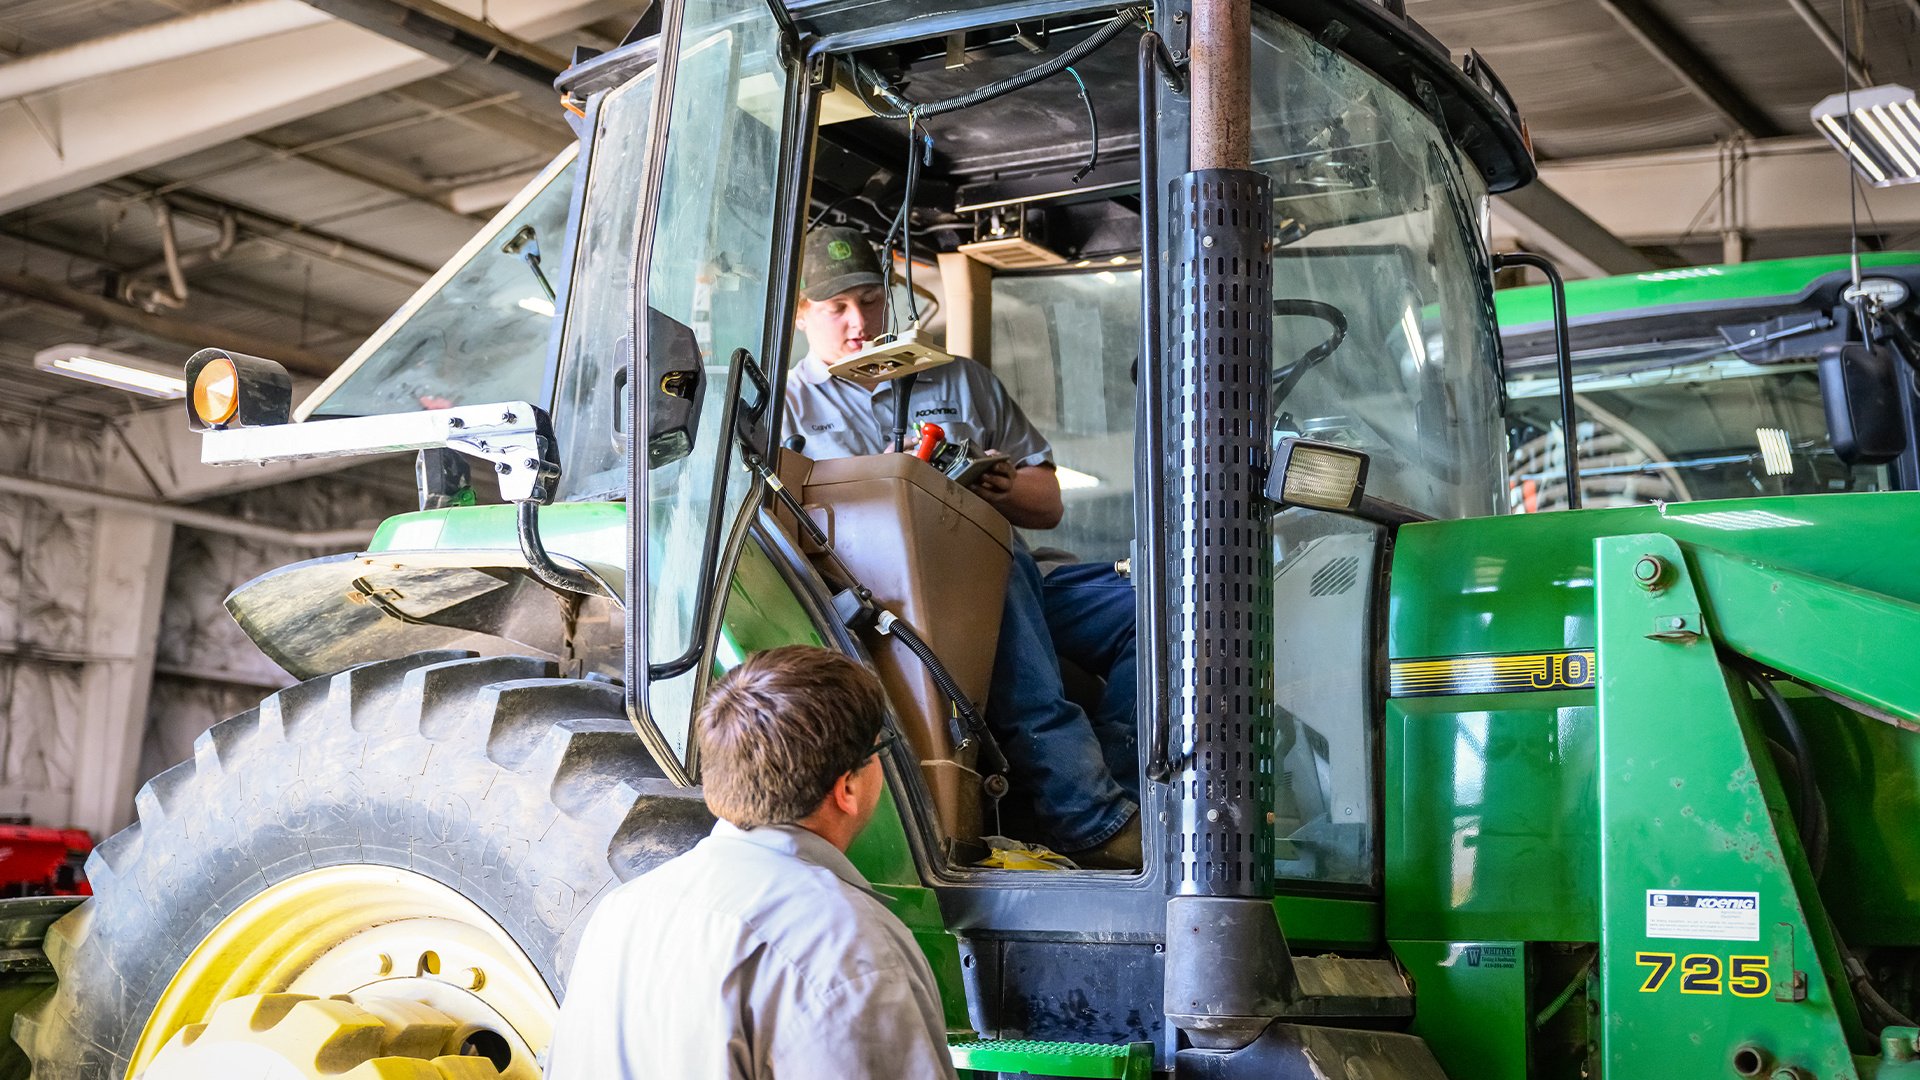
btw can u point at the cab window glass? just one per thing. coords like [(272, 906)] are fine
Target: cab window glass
[(477, 332), (1064, 344)]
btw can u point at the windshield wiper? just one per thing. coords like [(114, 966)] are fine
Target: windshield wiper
[(526, 245)]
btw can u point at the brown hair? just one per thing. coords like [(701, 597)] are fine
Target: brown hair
[(777, 731)]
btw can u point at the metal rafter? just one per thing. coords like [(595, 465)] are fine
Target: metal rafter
[(1690, 66), (477, 50)]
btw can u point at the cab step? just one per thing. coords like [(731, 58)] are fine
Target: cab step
[(1030, 1057)]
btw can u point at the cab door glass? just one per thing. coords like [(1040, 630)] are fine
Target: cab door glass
[(594, 456), (710, 270)]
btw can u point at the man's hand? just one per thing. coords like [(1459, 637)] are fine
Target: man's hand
[(996, 484), (1028, 497)]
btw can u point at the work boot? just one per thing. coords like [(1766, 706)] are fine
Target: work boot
[(1120, 852)]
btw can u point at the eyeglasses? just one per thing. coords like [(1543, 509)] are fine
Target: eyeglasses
[(887, 739)]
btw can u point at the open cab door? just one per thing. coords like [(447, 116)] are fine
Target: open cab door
[(714, 238)]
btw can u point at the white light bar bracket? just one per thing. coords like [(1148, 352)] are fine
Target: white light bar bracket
[(513, 436)]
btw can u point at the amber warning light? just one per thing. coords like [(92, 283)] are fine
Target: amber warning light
[(229, 389)]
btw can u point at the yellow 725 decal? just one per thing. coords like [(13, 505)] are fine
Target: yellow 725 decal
[(1705, 973)]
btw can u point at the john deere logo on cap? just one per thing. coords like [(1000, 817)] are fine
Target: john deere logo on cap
[(839, 249)]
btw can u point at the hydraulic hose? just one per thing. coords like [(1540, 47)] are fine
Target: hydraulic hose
[(542, 565), (1809, 821), (996, 761)]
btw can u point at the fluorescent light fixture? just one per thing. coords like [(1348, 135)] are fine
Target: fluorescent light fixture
[(1074, 479), (1776, 453), (107, 367), (539, 305), (1884, 141)]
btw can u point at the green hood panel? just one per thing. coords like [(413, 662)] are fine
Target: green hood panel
[(1524, 583), (1634, 295)]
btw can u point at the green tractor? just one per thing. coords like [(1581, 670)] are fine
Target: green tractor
[(1433, 790), (1708, 382)]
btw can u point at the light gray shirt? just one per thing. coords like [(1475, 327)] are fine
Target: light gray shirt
[(841, 418), (758, 955)]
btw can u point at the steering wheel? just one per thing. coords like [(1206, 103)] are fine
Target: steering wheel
[(1288, 377)]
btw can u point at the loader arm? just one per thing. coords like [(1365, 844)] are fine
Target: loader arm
[(1713, 922)]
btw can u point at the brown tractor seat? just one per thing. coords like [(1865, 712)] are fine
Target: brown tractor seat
[(937, 556)]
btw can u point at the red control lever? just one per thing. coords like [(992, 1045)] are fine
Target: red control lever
[(931, 436)]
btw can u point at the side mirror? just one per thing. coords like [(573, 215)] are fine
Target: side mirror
[(675, 387), (1861, 388), (234, 390)]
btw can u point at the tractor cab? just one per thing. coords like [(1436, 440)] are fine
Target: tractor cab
[(1718, 382), (1254, 365)]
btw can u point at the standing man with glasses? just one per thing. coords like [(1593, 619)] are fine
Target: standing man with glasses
[(762, 952)]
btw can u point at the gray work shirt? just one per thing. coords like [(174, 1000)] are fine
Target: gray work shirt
[(845, 419), (759, 955)]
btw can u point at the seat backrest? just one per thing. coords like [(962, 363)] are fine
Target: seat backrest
[(937, 556)]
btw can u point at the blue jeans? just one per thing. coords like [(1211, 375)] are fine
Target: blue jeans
[(1079, 772)]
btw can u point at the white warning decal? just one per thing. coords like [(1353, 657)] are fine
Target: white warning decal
[(1710, 916)]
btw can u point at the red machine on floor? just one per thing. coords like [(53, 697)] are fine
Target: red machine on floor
[(40, 861)]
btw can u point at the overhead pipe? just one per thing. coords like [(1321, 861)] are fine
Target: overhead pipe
[(282, 233), (205, 521), (137, 290), (186, 332), (174, 39)]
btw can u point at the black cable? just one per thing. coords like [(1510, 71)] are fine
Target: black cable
[(1093, 129), (996, 761), (1030, 76), (902, 406), (904, 109), (1808, 822)]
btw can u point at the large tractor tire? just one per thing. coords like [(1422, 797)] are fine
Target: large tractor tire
[(380, 873)]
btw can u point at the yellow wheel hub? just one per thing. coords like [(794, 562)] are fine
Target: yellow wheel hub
[(351, 972)]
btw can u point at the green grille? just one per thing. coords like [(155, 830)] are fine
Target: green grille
[(1029, 1057)]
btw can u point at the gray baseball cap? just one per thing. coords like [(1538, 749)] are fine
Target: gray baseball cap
[(834, 260)]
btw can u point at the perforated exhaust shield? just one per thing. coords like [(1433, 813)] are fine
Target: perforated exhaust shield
[(1220, 589)]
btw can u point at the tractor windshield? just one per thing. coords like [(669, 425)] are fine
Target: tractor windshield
[(1375, 219), (1378, 246)]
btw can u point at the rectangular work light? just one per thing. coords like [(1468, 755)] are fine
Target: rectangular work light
[(1883, 140), (107, 367), (1318, 475)]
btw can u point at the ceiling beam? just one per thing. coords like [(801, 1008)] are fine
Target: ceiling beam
[(82, 134), (1697, 73), (1547, 223), (479, 52), (1784, 186), (1856, 68)]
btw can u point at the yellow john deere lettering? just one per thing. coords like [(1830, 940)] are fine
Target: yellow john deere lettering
[(1492, 673)]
